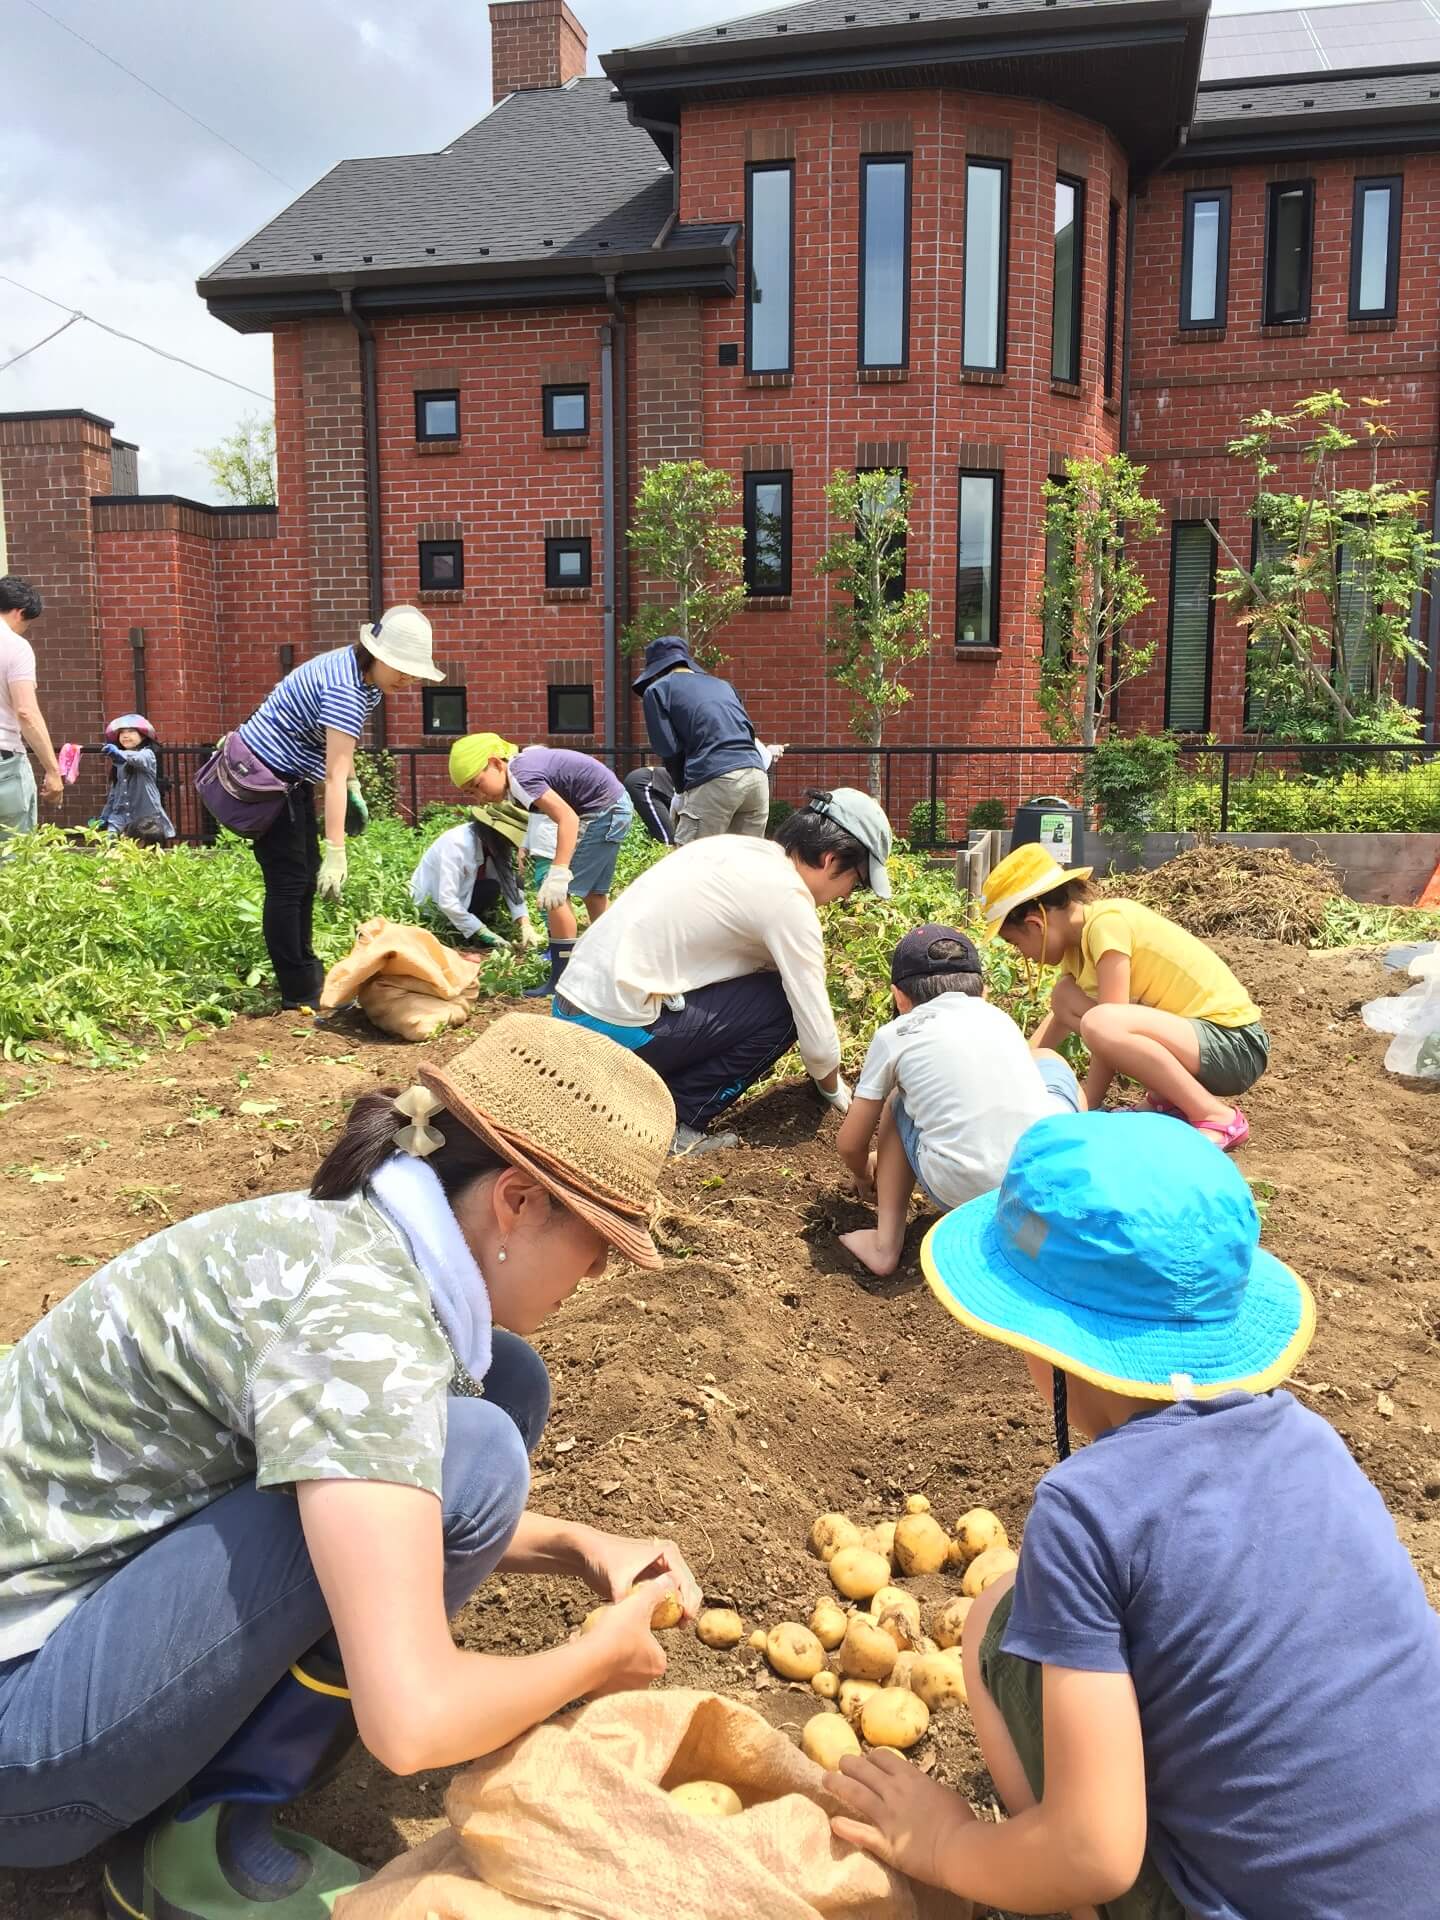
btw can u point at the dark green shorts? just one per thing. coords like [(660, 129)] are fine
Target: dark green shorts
[(1015, 1687), (1232, 1059)]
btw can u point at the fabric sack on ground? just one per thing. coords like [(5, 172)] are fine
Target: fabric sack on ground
[(406, 982)]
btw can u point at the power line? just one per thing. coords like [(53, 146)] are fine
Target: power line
[(15, 358), (140, 81), (132, 339)]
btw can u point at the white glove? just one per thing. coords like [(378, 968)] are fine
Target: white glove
[(527, 935), (840, 1098), (554, 889), (333, 867)]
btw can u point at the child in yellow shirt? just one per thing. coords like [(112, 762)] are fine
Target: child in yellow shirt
[(1148, 999)]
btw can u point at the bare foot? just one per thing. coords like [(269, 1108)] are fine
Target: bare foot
[(871, 1251)]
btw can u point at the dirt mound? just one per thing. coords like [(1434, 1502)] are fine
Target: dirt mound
[(1264, 893)]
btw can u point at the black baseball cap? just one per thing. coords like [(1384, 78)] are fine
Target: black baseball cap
[(913, 960)]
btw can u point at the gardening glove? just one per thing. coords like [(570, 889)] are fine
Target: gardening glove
[(333, 869), (554, 889), (357, 800), (840, 1098), (528, 935)]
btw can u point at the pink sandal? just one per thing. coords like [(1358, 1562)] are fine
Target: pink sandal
[(1156, 1105), (1228, 1137)]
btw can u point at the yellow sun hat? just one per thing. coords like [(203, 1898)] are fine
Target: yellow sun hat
[(473, 753), (1023, 875)]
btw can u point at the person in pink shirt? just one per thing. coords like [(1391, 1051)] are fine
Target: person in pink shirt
[(21, 722)]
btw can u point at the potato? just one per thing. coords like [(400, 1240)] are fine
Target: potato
[(918, 1503), (947, 1622), (865, 1653), (894, 1718), (986, 1568), (904, 1667), (921, 1544), (668, 1611), (853, 1695), (897, 1613), (826, 1740), (719, 1627), (831, 1532), (939, 1680), (759, 1640), (711, 1799), (826, 1684), (858, 1573), (593, 1618), (976, 1532), (880, 1539), (793, 1651), (828, 1623)]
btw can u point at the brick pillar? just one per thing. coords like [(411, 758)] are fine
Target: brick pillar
[(334, 457), (669, 404), (534, 43)]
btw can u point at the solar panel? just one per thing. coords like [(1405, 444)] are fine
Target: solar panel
[(1379, 33)]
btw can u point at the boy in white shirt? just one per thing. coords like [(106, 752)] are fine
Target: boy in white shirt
[(949, 1086)]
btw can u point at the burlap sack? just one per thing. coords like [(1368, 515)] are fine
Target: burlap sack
[(406, 982), (409, 1013), (573, 1820)]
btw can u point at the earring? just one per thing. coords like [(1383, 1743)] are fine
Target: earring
[(501, 1255)]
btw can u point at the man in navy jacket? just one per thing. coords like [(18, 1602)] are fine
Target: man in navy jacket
[(699, 728)]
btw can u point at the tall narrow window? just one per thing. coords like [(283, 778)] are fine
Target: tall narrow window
[(987, 228), (1192, 627), (977, 581), (1205, 258), (884, 262), (767, 535), (1375, 249), (1288, 222), (769, 269), (895, 477), (1112, 269), (1354, 655), (1065, 317), (1267, 550)]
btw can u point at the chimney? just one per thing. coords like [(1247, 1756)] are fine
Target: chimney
[(534, 43)]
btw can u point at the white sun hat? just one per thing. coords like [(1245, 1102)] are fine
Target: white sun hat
[(401, 637)]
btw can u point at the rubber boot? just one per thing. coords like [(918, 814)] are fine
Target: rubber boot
[(560, 952)]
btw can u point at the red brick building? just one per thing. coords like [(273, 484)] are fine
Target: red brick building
[(968, 241)]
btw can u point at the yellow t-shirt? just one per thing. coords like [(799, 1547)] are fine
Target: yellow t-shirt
[(1169, 968)]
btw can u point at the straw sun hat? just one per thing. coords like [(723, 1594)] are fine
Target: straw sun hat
[(402, 638), (591, 1122)]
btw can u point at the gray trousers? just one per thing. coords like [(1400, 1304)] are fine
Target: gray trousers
[(737, 802), (18, 809)]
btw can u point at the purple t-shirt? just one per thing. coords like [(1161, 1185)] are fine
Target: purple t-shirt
[(586, 785), (1231, 1557)]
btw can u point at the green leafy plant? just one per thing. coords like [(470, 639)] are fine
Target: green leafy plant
[(685, 537), (987, 816), (378, 773), (1405, 800), (780, 811), (1128, 777), (929, 824), (242, 465)]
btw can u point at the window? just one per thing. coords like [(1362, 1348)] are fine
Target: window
[(442, 566), (1192, 627), (1375, 249), (895, 589), (1205, 258), (987, 228), (1065, 318), (767, 534), (565, 410), (1267, 550), (1354, 655), (884, 262), (1055, 637), (769, 267), (571, 709), (437, 415), (1288, 219), (1112, 245), (567, 563), (442, 709), (977, 601)]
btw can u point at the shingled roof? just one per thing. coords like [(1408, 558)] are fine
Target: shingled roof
[(1320, 113), (831, 16)]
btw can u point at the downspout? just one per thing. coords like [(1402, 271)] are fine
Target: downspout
[(622, 503), (370, 414), (1130, 198), (607, 509)]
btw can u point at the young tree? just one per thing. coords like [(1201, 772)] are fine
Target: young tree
[(684, 533), (242, 465), (1327, 602), (1093, 588), (880, 627)]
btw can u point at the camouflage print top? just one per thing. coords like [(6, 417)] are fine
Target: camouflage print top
[(282, 1339)]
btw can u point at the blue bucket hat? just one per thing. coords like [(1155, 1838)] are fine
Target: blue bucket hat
[(662, 657), (1124, 1248)]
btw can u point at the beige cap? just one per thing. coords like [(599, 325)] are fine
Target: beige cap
[(401, 637)]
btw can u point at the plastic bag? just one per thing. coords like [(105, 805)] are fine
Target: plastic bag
[(1413, 1018)]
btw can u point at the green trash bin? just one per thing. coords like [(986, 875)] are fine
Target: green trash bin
[(1056, 825)]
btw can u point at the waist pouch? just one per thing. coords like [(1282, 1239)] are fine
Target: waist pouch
[(240, 790)]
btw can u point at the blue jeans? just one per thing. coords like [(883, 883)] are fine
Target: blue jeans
[(592, 866), (143, 1683)]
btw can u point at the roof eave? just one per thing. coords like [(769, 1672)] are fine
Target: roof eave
[(1302, 137)]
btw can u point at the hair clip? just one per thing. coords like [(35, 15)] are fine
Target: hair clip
[(417, 1104)]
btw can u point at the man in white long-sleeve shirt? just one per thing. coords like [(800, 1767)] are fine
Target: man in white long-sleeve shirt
[(713, 962)]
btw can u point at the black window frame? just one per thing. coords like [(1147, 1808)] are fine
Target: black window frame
[(430, 551), (1112, 293), (1077, 299), (1270, 315), (1221, 195), (1178, 527), (430, 697), (1002, 291), (555, 692), (754, 167), (868, 160), (566, 390), (785, 479), (423, 397), (553, 544), (996, 476), (1395, 182)]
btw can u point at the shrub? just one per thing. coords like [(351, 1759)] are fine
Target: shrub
[(780, 811), (929, 824), (1403, 801), (1128, 778), (987, 816), (377, 773)]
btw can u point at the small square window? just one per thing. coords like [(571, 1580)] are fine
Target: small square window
[(437, 415), (567, 563), (572, 709), (566, 410), (443, 709), (442, 566)]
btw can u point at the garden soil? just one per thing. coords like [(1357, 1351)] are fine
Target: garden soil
[(757, 1381)]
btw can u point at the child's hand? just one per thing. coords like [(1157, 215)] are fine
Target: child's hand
[(865, 1182), (900, 1814)]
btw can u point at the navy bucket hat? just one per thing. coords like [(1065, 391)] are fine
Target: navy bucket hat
[(662, 657)]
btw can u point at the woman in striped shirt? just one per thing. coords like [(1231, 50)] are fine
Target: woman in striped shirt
[(305, 732)]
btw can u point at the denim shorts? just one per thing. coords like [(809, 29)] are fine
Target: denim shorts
[(592, 868), (910, 1140), (1061, 1086)]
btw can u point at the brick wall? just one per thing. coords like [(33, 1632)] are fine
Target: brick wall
[(534, 43)]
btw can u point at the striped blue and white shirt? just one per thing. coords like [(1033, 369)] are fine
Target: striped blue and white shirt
[(287, 730)]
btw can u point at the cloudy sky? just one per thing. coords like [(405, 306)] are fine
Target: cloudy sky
[(114, 203)]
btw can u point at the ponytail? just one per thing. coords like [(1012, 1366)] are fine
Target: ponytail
[(369, 1141)]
